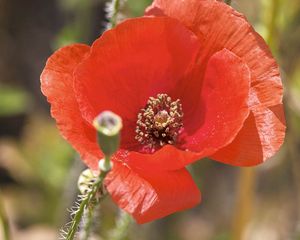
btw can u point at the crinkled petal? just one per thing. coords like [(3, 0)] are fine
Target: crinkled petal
[(151, 195), (57, 86), (219, 26), (262, 140)]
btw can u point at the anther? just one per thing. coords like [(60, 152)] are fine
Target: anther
[(160, 122)]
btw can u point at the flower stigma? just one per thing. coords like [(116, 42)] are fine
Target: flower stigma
[(159, 123)]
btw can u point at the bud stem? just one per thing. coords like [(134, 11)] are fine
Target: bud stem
[(85, 203), (107, 162)]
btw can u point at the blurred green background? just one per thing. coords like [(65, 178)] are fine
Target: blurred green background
[(39, 170)]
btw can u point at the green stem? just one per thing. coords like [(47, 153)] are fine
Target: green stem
[(89, 217), (107, 163), (122, 226), (114, 15), (228, 2), (244, 202), (84, 205), (275, 7), (88, 222), (4, 220)]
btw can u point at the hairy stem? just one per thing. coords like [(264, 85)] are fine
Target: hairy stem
[(89, 217), (114, 14), (84, 206), (89, 214)]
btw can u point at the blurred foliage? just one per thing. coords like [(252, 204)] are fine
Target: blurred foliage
[(77, 30), (38, 169), (47, 153), (136, 8), (13, 100)]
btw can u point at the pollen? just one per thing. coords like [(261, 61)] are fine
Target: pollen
[(160, 122)]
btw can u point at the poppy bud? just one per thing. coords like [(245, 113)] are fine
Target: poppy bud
[(108, 126)]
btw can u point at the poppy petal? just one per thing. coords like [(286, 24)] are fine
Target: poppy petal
[(57, 86), (219, 26), (224, 95), (224, 108), (151, 195), (168, 158), (130, 63), (262, 140)]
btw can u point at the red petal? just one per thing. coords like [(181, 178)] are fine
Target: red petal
[(219, 26), (57, 86), (225, 93), (167, 158), (128, 64), (262, 140), (151, 195), (218, 119)]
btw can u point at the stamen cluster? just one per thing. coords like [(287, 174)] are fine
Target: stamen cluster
[(160, 122)]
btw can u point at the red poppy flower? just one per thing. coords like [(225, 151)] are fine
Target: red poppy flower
[(192, 79)]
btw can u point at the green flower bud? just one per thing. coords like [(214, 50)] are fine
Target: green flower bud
[(108, 126)]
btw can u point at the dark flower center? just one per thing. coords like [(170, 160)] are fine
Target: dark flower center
[(160, 122)]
